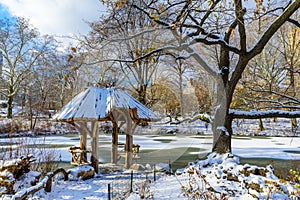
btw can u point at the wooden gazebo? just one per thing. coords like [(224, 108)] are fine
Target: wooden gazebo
[(104, 104)]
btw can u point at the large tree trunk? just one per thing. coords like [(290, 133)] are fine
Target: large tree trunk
[(294, 124), (10, 100), (260, 125), (181, 95), (142, 93), (222, 123)]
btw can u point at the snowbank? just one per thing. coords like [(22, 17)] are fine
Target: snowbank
[(222, 176)]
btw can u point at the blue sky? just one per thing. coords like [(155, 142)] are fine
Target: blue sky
[(4, 13)]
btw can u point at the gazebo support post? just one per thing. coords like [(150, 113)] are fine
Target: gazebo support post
[(129, 142), (95, 146), (115, 141), (81, 127), (82, 145)]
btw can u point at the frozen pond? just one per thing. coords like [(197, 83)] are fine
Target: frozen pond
[(176, 149)]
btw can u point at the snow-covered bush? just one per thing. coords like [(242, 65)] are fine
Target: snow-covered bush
[(16, 127), (11, 171), (223, 177)]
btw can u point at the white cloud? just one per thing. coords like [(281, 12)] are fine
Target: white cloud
[(56, 17)]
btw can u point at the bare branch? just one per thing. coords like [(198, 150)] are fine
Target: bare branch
[(273, 28)]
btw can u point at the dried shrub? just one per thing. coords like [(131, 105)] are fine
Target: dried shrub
[(46, 158)]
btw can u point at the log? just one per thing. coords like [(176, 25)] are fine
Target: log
[(45, 183), (48, 185)]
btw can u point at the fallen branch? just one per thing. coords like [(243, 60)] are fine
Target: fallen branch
[(45, 183), (21, 195)]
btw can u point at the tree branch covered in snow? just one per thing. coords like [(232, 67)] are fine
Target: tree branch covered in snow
[(238, 114), (202, 117)]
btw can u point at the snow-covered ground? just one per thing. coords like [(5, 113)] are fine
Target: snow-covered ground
[(217, 177)]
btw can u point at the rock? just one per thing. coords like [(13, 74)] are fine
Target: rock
[(179, 171), (148, 167), (108, 168), (82, 172), (162, 167), (137, 167)]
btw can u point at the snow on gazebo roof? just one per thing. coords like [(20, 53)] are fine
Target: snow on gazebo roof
[(98, 103)]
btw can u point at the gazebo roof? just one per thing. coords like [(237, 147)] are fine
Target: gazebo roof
[(98, 103)]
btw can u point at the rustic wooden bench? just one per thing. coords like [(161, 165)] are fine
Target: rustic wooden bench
[(135, 150), (78, 156)]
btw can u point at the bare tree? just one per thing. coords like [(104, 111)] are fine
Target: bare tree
[(291, 62), (102, 74), (21, 47), (123, 21), (176, 71), (61, 70), (216, 23), (270, 82), (162, 96)]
